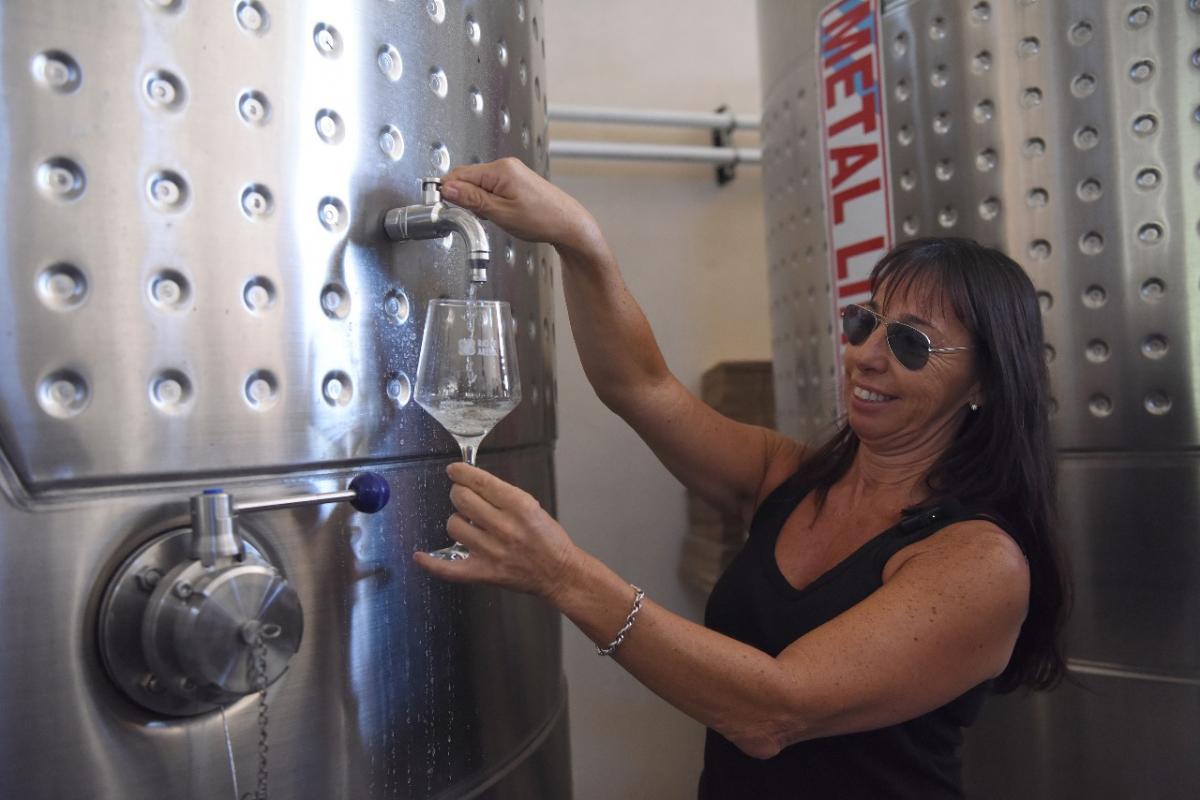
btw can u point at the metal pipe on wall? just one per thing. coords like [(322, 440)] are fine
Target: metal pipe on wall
[(619, 151), (725, 120)]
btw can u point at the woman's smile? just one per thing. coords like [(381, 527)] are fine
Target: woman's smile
[(870, 395)]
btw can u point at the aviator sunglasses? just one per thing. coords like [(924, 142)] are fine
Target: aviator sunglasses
[(910, 346)]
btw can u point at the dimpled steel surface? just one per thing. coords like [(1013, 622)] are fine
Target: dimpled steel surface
[(200, 258), (801, 321), (198, 292), (1067, 134)]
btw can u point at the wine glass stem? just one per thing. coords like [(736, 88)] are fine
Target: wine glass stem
[(458, 550), (468, 452)]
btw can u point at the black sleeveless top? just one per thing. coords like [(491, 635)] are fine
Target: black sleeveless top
[(754, 603)]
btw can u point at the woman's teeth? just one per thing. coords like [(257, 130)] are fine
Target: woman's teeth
[(869, 396)]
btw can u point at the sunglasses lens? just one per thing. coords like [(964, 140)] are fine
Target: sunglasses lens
[(908, 344), (857, 324)]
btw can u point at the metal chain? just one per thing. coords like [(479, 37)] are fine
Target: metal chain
[(258, 679)]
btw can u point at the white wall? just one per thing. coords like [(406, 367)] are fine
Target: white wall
[(694, 255)]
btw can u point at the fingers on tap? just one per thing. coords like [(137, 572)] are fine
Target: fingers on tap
[(488, 177), (467, 173), (468, 196)]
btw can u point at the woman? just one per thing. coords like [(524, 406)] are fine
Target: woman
[(891, 576)]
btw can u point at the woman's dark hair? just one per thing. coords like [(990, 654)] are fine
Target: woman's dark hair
[(1001, 459)]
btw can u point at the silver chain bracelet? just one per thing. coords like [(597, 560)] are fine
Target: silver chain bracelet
[(633, 612)]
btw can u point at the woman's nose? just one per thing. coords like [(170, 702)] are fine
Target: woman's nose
[(873, 353)]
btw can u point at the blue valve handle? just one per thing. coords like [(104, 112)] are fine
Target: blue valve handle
[(368, 493), (371, 492)]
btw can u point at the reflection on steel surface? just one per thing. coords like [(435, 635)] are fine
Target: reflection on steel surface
[(1082, 667)]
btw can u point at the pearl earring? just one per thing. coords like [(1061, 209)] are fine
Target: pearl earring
[(974, 406)]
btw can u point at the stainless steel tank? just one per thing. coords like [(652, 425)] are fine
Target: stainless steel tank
[(1066, 133), (198, 293)]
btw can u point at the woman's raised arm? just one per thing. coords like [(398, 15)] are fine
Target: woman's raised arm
[(728, 463)]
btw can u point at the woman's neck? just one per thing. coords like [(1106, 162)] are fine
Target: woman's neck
[(874, 476)]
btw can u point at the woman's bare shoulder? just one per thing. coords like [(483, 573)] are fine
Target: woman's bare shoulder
[(975, 547)]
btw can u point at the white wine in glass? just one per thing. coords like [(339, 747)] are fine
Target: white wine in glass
[(467, 377)]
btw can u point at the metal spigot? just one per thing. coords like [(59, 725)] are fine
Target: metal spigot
[(213, 511), (433, 219), (212, 527)]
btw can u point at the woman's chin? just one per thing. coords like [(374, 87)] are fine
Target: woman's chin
[(869, 412), (868, 424)]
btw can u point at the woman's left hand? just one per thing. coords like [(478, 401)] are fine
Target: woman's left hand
[(514, 543)]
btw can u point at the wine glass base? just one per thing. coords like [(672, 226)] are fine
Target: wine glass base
[(455, 552)]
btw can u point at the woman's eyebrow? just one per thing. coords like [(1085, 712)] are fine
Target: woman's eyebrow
[(913, 319), (908, 318)]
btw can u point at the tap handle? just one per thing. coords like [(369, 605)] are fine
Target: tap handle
[(368, 493), (213, 535), (371, 492), (431, 191)]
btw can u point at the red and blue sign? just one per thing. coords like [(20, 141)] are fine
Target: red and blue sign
[(854, 147)]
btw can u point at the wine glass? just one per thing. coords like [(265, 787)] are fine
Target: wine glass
[(467, 376)]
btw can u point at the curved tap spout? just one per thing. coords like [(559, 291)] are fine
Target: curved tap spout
[(433, 219)]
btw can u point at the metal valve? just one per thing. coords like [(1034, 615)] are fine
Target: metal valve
[(213, 511), (181, 619), (433, 219)]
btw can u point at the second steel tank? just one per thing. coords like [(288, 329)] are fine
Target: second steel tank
[(1067, 134)]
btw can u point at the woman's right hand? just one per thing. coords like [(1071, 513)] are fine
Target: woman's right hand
[(522, 202)]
